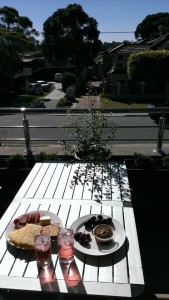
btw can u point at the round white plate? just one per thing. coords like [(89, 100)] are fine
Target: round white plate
[(11, 226), (93, 248)]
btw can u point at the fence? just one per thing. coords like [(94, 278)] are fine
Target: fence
[(142, 91), (116, 112)]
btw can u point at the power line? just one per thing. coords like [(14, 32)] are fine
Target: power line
[(117, 31)]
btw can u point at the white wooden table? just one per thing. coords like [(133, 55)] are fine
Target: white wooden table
[(71, 191)]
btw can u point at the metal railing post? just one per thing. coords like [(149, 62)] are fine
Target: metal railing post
[(161, 134), (26, 133)]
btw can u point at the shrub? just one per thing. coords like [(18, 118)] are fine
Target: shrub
[(17, 161), (143, 161), (165, 161), (64, 102), (68, 79), (150, 66), (42, 156)]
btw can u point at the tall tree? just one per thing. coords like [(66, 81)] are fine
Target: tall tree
[(71, 36), (153, 26), (16, 38), (11, 20)]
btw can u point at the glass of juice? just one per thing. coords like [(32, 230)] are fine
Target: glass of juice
[(42, 247), (66, 245)]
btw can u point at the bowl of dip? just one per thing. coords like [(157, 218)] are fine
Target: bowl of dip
[(103, 233)]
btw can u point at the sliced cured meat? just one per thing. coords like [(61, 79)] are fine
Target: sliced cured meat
[(33, 218), (29, 218), (23, 219), (37, 217), (16, 221)]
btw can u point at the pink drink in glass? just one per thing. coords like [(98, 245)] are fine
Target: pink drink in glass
[(43, 249), (66, 245)]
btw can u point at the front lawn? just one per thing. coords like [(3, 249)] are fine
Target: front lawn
[(110, 103), (24, 100)]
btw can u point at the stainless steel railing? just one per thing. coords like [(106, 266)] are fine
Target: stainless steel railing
[(63, 111)]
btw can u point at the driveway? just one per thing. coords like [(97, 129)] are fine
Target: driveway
[(82, 102), (51, 100)]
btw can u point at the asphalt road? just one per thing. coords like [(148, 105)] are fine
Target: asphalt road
[(130, 129)]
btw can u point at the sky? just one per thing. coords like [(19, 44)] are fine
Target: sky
[(120, 17)]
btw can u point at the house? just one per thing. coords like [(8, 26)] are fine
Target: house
[(112, 64)]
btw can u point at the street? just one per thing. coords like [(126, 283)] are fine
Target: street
[(46, 129), (130, 128)]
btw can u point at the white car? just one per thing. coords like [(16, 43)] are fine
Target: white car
[(37, 103), (58, 77), (34, 88), (45, 85)]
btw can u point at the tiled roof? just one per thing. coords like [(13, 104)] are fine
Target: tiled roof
[(161, 43), (157, 44), (130, 48)]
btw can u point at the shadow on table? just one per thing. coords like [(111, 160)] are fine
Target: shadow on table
[(47, 278), (71, 276), (95, 176)]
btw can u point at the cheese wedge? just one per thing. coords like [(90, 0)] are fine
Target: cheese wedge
[(45, 220)]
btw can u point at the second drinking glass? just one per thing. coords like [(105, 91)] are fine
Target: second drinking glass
[(66, 245)]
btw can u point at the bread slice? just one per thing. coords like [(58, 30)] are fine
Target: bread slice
[(31, 230), (15, 237), (25, 236), (52, 229)]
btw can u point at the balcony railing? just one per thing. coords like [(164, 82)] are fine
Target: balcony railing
[(26, 128)]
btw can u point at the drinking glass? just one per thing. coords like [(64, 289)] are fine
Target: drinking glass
[(43, 249), (66, 245)]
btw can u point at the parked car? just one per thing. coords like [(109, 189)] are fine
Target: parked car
[(154, 115), (37, 103), (58, 77), (33, 88), (45, 85)]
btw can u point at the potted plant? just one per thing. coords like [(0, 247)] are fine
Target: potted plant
[(88, 130)]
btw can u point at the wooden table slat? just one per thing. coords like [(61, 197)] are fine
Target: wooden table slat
[(64, 176), (31, 192), (28, 181), (134, 258), (50, 192), (125, 188), (40, 192)]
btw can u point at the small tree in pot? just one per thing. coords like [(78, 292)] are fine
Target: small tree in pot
[(93, 133)]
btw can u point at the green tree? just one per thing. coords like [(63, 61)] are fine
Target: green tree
[(149, 66), (153, 26), (71, 37), (16, 38), (12, 21)]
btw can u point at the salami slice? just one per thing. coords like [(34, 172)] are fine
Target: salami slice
[(37, 217)]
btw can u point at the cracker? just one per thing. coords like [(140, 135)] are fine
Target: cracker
[(52, 229), (24, 237)]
